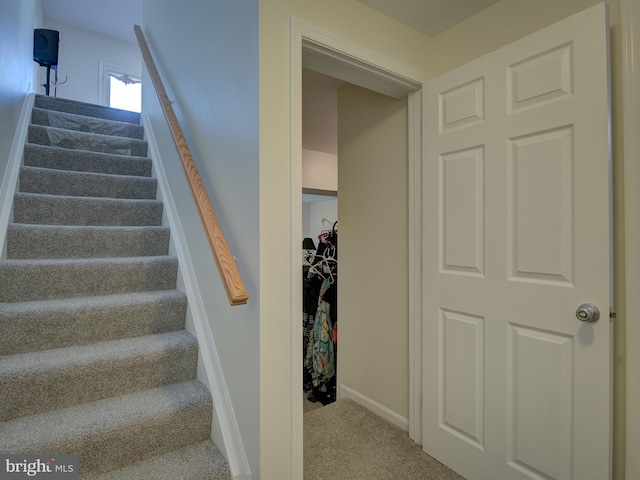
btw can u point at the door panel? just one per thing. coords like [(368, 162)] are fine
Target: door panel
[(516, 196)]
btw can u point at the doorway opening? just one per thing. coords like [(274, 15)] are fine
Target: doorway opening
[(343, 60), (320, 235)]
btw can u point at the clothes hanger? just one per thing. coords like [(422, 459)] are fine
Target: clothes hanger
[(326, 265), (327, 224), (329, 272)]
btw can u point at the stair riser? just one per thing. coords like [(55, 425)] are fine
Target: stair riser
[(79, 108), (34, 327), (201, 461), (57, 182), (30, 393), (51, 280), (76, 160), (86, 141), (33, 241), (119, 448), (80, 123), (52, 210), (111, 449)]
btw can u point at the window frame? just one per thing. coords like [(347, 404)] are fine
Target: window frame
[(104, 88)]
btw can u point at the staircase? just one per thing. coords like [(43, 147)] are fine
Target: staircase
[(94, 357)]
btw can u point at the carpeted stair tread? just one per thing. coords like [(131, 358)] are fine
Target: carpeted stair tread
[(201, 461), (68, 241), (59, 158), (111, 433), (36, 382), (47, 324), (67, 139), (94, 356), (42, 209), (82, 123), (87, 109), (82, 184), (48, 279)]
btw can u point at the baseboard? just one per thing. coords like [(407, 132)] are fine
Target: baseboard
[(10, 180), (375, 407), (229, 440)]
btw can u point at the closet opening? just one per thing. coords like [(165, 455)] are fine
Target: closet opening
[(320, 238), (365, 239), (355, 317)]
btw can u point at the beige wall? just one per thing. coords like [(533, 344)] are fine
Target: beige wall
[(499, 25), (506, 22), (373, 325), (356, 22)]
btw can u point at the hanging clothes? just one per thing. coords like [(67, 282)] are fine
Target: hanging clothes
[(320, 320), (320, 359), (311, 284)]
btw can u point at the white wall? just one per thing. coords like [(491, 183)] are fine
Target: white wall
[(313, 214), (79, 57), (16, 69), (305, 219), (39, 73), (317, 211), (210, 68)]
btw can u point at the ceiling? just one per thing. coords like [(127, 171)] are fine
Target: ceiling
[(116, 18), (430, 17)]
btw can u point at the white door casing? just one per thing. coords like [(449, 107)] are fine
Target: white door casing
[(516, 192), (362, 66)]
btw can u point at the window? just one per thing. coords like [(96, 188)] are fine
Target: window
[(120, 88), (125, 95)]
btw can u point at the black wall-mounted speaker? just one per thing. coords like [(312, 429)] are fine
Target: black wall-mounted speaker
[(45, 46)]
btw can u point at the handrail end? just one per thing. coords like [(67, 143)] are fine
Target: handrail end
[(234, 302)]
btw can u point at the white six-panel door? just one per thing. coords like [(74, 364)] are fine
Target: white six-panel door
[(516, 235)]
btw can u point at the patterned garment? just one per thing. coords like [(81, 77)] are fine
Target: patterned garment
[(320, 359), (311, 288)]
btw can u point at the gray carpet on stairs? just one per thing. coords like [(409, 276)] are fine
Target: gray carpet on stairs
[(72, 241), (73, 160), (82, 184), (62, 210), (94, 357)]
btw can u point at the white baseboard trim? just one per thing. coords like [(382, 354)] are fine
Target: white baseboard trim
[(10, 180), (375, 407), (226, 434)]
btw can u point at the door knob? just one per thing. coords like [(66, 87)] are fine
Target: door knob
[(588, 312)]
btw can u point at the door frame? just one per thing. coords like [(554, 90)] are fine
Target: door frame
[(630, 18), (341, 58)]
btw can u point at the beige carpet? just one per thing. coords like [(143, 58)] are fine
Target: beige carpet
[(308, 406), (346, 441)]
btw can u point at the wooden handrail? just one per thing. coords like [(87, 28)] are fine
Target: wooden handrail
[(236, 291)]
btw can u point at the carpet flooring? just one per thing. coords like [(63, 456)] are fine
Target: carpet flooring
[(346, 441), (94, 356)]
